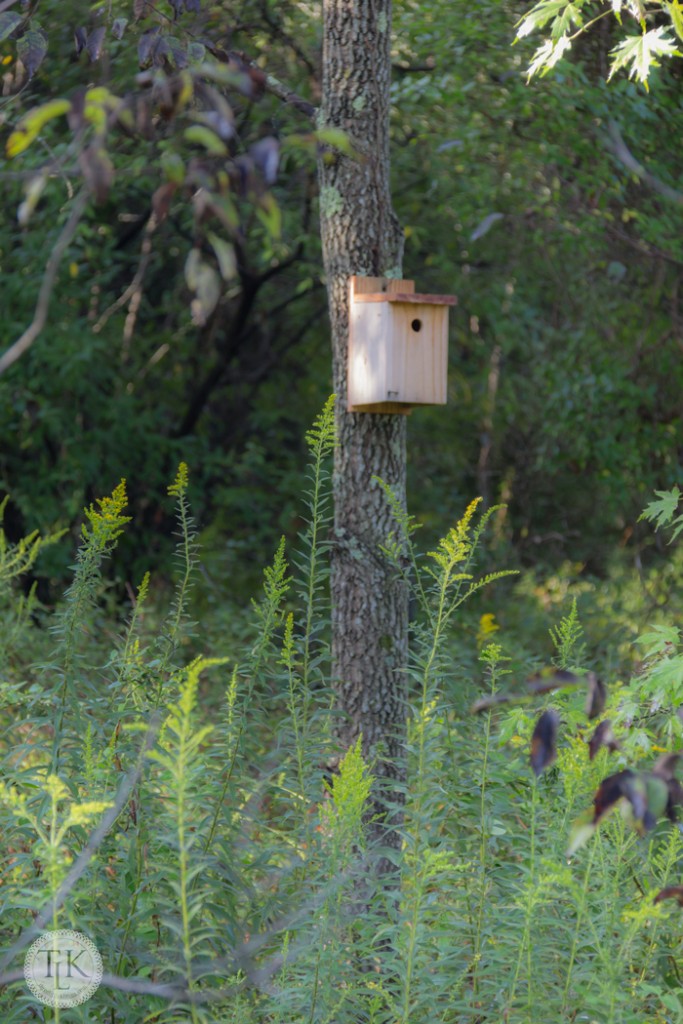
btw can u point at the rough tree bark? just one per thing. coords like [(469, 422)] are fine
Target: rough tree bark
[(361, 235)]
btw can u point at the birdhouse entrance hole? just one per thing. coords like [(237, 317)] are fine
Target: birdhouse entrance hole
[(398, 346)]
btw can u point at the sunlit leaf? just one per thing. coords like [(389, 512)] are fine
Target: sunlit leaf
[(639, 54), (31, 125), (676, 14)]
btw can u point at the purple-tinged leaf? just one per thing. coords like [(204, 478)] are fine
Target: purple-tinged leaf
[(176, 52), (119, 27), (140, 9), (193, 5), (544, 741), (95, 40), (80, 40), (9, 21), (602, 737), (558, 679), (177, 6), (664, 766), (146, 46), (266, 156), (31, 49), (596, 698)]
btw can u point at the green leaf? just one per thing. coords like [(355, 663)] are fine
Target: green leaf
[(676, 15), (661, 512), (337, 138), (225, 254), (270, 215), (540, 15), (31, 125), (641, 52), (547, 56), (203, 136)]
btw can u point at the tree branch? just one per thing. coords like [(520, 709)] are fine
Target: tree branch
[(45, 295), (624, 155)]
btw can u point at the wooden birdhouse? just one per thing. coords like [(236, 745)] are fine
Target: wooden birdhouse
[(398, 346)]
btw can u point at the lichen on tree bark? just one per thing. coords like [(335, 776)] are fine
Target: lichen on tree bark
[(361, 235)]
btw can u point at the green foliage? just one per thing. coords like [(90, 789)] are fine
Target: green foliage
[(236, 879), (662, 512), (566, 637), (637, 54)]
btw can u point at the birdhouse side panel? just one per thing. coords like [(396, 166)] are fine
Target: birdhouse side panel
[(370, 354), (419, 365)]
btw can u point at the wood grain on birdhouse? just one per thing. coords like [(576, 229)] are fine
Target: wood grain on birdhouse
[(398, 346)]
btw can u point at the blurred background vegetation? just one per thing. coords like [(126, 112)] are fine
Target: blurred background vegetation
[(565, 377)]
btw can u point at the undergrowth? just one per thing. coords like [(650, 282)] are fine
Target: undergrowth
[(183, 813)]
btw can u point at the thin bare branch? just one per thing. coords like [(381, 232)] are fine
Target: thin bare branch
[(45, 295), (624, 155)]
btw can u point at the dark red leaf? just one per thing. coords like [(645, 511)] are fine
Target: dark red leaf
[(546, 681), (602, 737), (161, 200), (98, 171), (672, 892), (544, 741), (610, 791), (597, 696), (94, 44)]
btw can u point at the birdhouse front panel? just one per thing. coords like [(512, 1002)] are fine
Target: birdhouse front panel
[(398, 346)]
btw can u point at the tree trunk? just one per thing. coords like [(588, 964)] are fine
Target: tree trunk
[(361, 235)]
